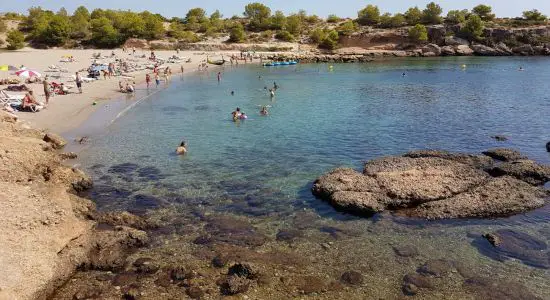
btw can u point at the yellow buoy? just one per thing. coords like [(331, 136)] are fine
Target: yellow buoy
[(463, 66)]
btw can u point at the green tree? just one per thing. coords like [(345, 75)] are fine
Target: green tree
[(57, 32), (317, 35), (534, 15), (330, 41), (104, 33), (258, 14), (333, 19), (15, 39), (294, 24), (473, 28), (484, 12), (216, 21), (80, 23), (63, 12), (278, 20), (127, 23), (418, 33), (196, 13), (153, 26), (432, 14), (237, 34), (284, 35), (413, 15), (456, 16), (369, 15)]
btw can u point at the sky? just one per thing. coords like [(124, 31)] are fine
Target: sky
[(342, 8)]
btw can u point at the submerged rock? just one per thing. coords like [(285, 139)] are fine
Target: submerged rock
[(488, 288), (505, 244), (351, 278), (437, 185), (406, 250), (504, 154)]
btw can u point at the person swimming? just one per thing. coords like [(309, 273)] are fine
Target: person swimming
[(243, 116), (182, 149), (403, 74), (232, 93), (520, 69), (264, 111), (275, 86), (236, 114)]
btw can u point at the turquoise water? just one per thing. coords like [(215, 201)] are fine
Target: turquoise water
[(262, 168)]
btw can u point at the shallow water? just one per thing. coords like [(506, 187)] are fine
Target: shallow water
[(261, 169)]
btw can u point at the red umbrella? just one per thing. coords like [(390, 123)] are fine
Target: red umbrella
[(27, 73)]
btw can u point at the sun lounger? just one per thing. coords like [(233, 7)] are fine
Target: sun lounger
[(11, 97)]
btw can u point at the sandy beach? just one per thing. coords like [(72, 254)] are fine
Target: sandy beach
[(66, 112)]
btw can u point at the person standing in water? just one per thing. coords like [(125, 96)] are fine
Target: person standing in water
[(219, 76), (148, 79), (275, 86), (157, 79), (264, 111)]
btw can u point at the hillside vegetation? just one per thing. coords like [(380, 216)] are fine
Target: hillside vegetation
[(111, 28)]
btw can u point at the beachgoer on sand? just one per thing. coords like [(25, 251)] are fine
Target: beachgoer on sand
[(78, 80), (47, 91)]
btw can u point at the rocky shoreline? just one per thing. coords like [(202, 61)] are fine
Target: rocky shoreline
[(439, 185), (47, 230)]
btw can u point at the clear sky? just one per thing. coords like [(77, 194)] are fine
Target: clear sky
[(343, 8)]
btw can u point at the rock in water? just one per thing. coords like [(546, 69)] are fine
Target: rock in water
[(438, 185), (504, 154), (54, 139), (500, 138), (548, 146)]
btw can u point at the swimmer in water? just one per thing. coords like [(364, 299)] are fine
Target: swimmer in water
[(264, 111), (243, 116), (236, 114), (520, 69), (232, 93), (403, 74), (182, 149), (272, 93), (275, 86)]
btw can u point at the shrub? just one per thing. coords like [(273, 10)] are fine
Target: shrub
[(3, 26), (389, 21), (330, 41), (347, 28), (15, 39), (237, 34), (317, 35), (369, 15), (259, 16), (418, 33), (456, 16), (104, 34), (266, 36), (284, 36), (294, 24), (333, 19), (432, 14)]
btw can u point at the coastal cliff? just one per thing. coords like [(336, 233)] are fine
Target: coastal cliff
[(46, 230)]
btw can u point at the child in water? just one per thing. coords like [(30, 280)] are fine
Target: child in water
[(264, 111), (243, 116)]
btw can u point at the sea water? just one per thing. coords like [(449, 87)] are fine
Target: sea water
[(261, 169)]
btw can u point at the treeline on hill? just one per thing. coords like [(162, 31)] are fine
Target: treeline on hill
[(111, 28)]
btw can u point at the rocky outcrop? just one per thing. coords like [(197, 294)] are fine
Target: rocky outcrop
[(524, 50), (463, 50), (483, 50), (46, 230), (431, 50), (448, 51), (455, 41), (437, 185)]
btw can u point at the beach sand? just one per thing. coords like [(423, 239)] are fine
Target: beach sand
[(66, 112)]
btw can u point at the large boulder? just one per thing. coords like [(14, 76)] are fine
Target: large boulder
[(436, 34), (524, 50), (54, 139), (455, 41), (437, 185), (448, 51), (503, 49), (464, 50), (483, 50), (431, 48)]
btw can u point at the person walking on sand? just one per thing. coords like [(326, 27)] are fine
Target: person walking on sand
[(78, 80), (148, 79), (47, 92)]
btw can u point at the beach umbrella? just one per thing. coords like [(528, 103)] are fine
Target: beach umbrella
[(8, 68), (27, 73)]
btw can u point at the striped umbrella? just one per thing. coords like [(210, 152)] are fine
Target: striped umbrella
[(27, 73)]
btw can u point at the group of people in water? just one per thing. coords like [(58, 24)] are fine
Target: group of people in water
[(237, 114)]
